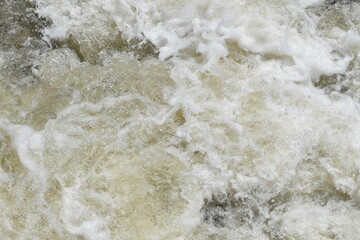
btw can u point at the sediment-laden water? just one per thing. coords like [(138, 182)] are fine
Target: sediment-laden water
[(206, 119)]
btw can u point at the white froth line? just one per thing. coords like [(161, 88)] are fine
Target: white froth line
[(28, 144)]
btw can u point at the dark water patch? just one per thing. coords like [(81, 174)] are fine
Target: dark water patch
[(334, 2), (9, 159), (89, 46), (229, 210), (18, 22), (336, 82), (346, 83), (21, 41), (215, 212), (342, 14)]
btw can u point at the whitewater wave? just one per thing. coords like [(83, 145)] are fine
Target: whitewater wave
[(143, 119)]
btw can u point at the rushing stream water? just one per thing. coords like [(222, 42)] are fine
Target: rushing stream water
[(179, 119)]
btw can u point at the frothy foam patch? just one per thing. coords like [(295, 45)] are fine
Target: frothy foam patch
[(222, 136), (268, 29)]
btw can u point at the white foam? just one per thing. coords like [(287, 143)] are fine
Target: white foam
[(79, 219), (29, 146), (225, 129), (200, 26)]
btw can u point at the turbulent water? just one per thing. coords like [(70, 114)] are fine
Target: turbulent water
[(179, 119)]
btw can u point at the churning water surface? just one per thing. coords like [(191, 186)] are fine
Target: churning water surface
[(179, 119)]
